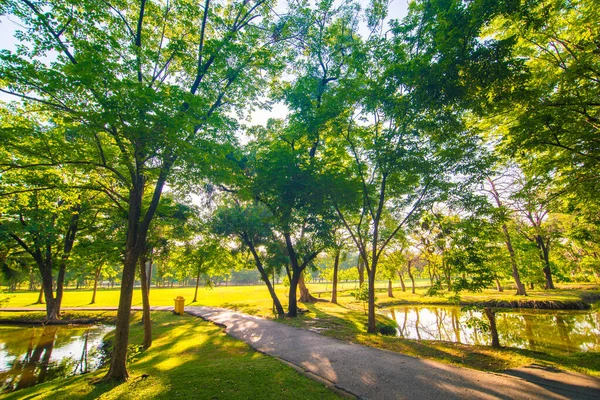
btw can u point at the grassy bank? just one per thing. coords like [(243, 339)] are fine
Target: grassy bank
[(189, 358)]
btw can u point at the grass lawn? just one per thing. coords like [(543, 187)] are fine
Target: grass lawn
[(256, 300), (190, 359)]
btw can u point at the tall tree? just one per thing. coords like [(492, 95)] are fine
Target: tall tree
[(504, 215), (252, 226), (411, 143), (147, 84), (44, 224)]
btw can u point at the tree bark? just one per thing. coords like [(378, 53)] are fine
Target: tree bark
[(499, 285), (491, 316), (390, 291), (336, 264), (263, 274), (507, 240), (513, 262), (40, 299), (145, 302), (361, 271), (197, 284), (292, 302), (118, 368), (137, 232), (305, 296), (372, 324), (545, 257), (401, 281), (412, 278), (96, 278)]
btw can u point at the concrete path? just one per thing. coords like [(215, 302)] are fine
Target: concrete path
[(370, 373)]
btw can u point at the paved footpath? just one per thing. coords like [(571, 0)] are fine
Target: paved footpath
[(370, 373)]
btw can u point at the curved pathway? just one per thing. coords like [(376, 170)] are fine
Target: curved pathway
[(371, 373)]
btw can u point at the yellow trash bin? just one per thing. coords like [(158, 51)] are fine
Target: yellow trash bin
[(179, 301)]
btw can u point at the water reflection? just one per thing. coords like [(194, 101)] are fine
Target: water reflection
[(29, 356), (549, 331)]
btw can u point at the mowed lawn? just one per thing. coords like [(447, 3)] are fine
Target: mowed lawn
[(255, 299), (189, 359)]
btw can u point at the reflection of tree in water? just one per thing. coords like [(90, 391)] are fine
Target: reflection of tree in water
[(547, 331), (34, 366)]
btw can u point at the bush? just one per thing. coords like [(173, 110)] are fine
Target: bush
[(387, 329)]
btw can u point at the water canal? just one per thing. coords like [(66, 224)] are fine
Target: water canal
[(32, 355), (549, 331)]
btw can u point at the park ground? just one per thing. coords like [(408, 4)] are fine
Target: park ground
[(190, 350)]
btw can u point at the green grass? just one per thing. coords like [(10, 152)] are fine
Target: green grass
[(189, 358), (256, 300)]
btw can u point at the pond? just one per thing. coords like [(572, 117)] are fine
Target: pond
[(549, 331), (32, 355)]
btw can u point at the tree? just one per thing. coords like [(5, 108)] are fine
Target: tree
[(44, 225), (553, 112), (251, 225), (146, 84), (503, 215), (340, 241), (533, 205), (206, 257), (404, 159)]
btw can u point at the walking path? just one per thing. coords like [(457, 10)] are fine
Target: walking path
[(369, 373)]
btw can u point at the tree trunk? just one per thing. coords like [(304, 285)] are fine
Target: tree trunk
[(197, 284), (499, 285), (137, 231), (401, 281), (390, 291), (40, 299), (264, 276), (545, 257), (372, 326), (361, 271), (507, 240), (118, 368), (292, 302), (47, 285), (62, 267), (145, 302), (548, 276), (305, 296), (336, 264), (412, 278), (491, 316), (531, 285), (513, 262), (96, 278)]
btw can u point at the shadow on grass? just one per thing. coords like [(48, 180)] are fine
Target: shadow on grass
[(189, 358)]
